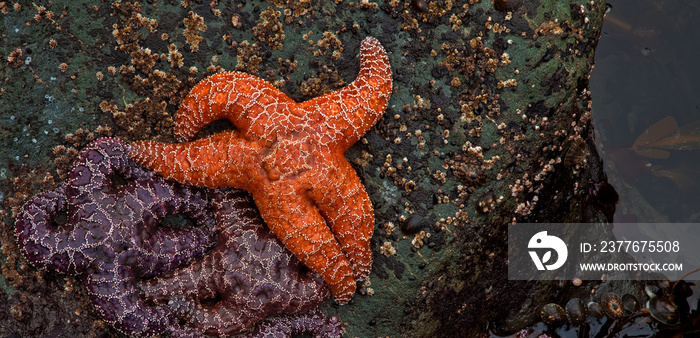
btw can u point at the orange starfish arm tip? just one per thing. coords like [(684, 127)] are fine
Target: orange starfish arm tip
[(295, 220)]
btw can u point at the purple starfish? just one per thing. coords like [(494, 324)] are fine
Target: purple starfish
[(313, 323), (111, 236), (247, 277)]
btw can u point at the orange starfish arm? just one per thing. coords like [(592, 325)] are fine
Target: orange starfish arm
[(296, 221), (346, 207), (249, 102), (355, 108), (253, 105), (222, 159)]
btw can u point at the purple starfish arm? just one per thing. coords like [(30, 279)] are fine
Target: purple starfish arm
[(247, 277), (313, 323), (96, 168), (113, 292), (41, 241), (143, 204), (112, 237), (161, 249)]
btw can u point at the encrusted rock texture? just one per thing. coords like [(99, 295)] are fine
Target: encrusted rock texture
[(488, 124)]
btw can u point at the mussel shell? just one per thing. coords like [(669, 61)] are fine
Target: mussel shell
[(576, 312), (596, 310), (553, 315), (663, 310), (612, 305), (630, 303)]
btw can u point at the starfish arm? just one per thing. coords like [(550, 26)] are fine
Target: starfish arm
[(93, 171), (351, 111), (250, 103), (145, 203), (222, 159), (194, 280), (297, 223), (219, 319), (114, 293), (344, 204), (312, 323), (46, 245), (241, 307)]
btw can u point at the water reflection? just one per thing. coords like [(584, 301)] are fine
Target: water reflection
[(646, 79), (647, 111)]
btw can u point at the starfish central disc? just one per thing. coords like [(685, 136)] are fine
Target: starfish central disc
[(289, 155)]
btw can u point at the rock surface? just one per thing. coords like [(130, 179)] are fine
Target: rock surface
[(489, 98)]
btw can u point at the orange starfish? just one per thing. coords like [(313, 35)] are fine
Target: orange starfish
[(290, 157)]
